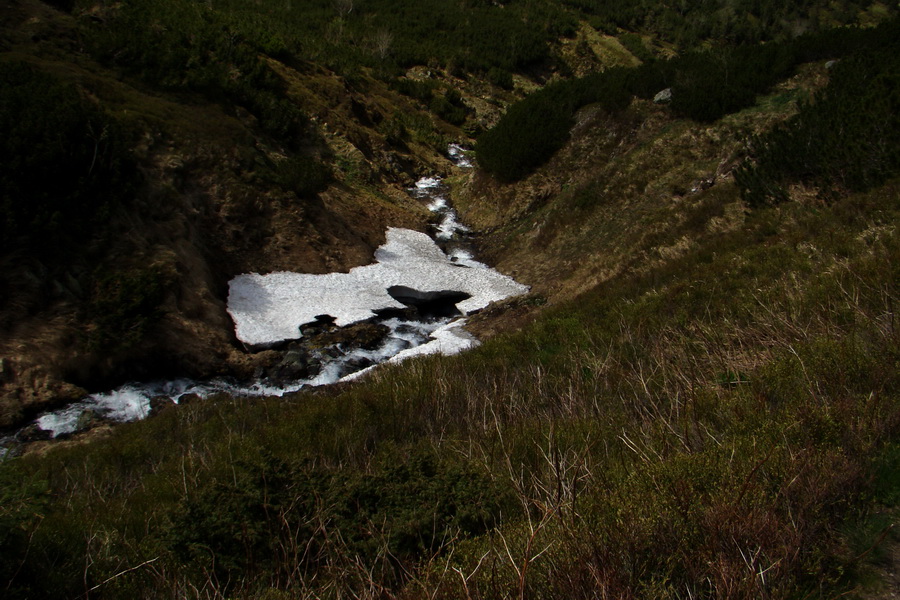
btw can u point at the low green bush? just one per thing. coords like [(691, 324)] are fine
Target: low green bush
[(449, 107), (500, 78), (304, 175), (635, 44), (423, 91)]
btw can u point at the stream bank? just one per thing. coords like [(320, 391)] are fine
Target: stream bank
[(320, 329)]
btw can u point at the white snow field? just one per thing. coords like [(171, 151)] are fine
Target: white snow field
[(268, 309)]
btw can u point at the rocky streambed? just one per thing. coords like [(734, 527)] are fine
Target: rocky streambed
[(314, 330)]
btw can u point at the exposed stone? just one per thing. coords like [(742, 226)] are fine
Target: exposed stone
[(429, 304), (88, 419), (295, 365), (359, 335), (663, 97), (322, 324), (186, 399), (358, 364), (33, 433), (159, 404)]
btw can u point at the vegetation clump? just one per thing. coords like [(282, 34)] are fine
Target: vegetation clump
[(846, 139), (706, 85)]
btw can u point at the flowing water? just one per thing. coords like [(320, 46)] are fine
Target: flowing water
[(406, 336)]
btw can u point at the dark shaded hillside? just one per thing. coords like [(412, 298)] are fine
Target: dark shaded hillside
[(131, 195)]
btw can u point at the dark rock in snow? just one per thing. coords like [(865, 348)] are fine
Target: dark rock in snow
[(322, 324), (429, 304), (294, 365)]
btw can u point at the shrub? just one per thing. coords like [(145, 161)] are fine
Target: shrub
[(501, 78), (303, 175), (537, 126), (847, 139), (449, 107), (710, 85), (124, 306), (423, 91), (635, 44), (529, 133)]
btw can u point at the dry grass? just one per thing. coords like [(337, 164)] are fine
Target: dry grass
[(706, 428)]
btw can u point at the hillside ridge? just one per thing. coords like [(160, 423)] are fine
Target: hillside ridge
[(699, 398)]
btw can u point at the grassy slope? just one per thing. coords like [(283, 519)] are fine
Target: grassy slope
[(626, 194), (706, 408), (195, 89)]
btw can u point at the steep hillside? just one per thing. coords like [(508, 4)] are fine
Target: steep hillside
[(233, 139), (210, 194), (699, 399), (627, 193)]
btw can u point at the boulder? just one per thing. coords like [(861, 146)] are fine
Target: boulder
[(429, 304), (359, 335), (88, 419), (293, 366), (186, 399), (663, 97), (159, 404), (33, 433)]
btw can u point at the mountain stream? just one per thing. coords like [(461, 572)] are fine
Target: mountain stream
[(411, 301)]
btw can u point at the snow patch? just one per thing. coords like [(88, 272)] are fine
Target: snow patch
[(268, 309)]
